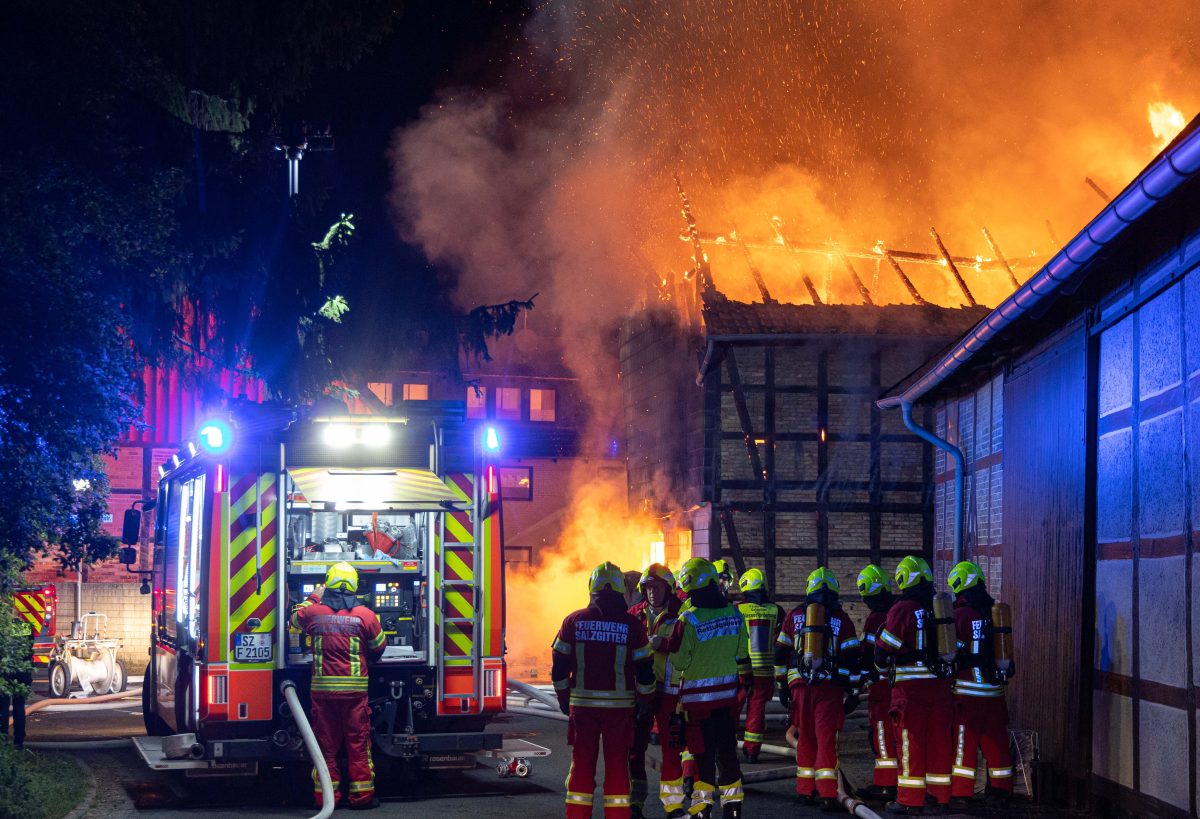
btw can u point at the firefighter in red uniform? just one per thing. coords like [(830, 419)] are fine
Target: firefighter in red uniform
[(873, 588), (818, 688), (603, 675), (658, 613), (922, 705), (346, 638), (763, 619), (980, 712)]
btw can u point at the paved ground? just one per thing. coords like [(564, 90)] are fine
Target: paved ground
[(126, 788)]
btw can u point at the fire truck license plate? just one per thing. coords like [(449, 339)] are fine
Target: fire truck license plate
[(251, 648)]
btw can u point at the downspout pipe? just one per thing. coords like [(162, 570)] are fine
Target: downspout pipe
[(960, 464)]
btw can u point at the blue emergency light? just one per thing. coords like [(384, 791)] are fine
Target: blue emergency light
[(215, 436), (491, 439)]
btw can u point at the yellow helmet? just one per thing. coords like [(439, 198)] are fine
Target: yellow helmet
[(607, 576), (724, 569), (657, 571), (872, 581), (822, 578), (696, 574), (911, 571), (965, 575), (751, 580), (342, 577)]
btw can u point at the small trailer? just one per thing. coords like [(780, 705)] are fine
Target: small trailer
[(86, 659)]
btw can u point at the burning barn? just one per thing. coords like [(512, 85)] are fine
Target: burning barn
[(751, 427), (1082, 387)]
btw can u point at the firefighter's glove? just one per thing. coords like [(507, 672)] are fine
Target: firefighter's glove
[(785, 696), (564, 702), (851, 703), (645, 709)]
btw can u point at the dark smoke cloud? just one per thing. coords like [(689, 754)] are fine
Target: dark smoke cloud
[(851, 121)]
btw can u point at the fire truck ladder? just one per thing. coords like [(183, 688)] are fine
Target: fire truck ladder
[(459, 610)]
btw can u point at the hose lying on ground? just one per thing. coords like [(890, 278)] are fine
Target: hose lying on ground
[(314, 750), (527, 711), (82, 745), (120, 695), (527, 690)]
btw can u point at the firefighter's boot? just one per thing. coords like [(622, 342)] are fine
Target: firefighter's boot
[(830, 805), (731, 810), (897, 809)]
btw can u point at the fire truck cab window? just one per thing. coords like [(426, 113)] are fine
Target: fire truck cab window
[(181, 561)]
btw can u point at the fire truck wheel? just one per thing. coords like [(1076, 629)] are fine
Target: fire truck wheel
[(120, 680), (59, 680), (156, 726)]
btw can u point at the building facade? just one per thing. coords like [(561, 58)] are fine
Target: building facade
[(1076, 404), (771, 451)]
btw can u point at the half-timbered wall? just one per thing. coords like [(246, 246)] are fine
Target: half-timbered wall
[(806, 470)]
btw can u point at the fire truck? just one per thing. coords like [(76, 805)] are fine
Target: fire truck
[(36, 606), (248, 519)]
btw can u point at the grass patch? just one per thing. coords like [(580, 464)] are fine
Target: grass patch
[(39, 784)]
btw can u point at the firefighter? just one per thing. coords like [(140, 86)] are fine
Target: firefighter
[(17, 679), (980, 712), (726, 575), (603, 675), (709, 659), (658, 612), (874, 590), (819, 686), (346, 639), (922, 706), (763, 619)]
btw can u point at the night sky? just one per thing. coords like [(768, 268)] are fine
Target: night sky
[(436, 44)]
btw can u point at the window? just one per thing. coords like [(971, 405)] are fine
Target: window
[(518, 554), (416, 392), (516, 482), (183, 547), (477, 402), (541, 405), (382, 391), (508, 403)]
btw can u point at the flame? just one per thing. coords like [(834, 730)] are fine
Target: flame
[(1166, 121), (541, 595)]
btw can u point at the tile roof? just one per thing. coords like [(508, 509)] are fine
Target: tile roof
[(724, 318)]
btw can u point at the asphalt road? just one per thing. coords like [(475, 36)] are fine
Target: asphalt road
[(126, 788)]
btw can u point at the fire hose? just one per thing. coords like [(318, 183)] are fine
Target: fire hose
[(120, 695), (314, 750)]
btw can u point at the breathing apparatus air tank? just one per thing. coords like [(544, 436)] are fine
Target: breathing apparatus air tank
[(943, 627), (815, 626), (1002, 639)]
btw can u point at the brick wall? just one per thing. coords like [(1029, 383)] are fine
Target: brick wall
[(860, 470)]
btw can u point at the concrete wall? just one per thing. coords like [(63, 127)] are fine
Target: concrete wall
[(128, 616)]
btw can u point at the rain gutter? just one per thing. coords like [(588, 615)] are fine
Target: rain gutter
[(1174, 166), (960, 468)]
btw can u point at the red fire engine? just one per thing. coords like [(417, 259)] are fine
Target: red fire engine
[(249, 518), (36, 606)]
